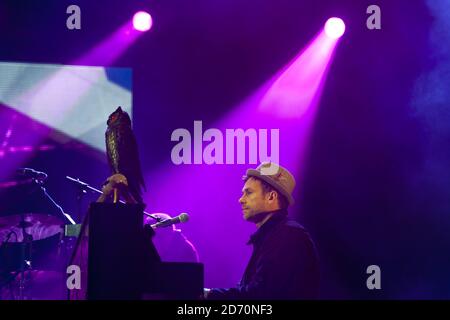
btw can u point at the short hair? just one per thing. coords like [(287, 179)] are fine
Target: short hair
[(266, 188)]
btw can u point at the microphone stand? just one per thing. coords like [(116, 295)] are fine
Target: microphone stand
[(66, 216), (65, 245), (86, 187)]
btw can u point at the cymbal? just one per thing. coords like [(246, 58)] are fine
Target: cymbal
[(38, 225)]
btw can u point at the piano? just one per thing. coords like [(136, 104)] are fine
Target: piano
[(118, 260)]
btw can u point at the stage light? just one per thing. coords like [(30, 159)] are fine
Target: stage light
[(142, 21), (334, 28)]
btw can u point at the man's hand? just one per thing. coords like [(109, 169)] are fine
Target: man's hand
[(115, 181)]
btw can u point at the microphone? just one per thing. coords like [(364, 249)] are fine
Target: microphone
[(28, 172), (168, 222)]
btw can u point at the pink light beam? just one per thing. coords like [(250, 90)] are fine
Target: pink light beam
[(297, 88)]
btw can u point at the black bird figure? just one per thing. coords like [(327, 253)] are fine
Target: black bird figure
[(122, 152)]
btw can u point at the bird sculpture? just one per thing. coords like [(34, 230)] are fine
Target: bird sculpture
[(122, 153)]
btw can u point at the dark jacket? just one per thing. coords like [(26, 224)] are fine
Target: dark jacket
[(283, 265)]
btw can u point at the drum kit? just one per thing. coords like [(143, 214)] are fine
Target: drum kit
[(33, 249), (36, 238)]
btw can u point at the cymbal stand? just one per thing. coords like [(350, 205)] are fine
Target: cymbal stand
[(25, 260)]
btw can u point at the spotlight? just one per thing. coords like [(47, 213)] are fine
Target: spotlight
[(334, 28), (142, 21)]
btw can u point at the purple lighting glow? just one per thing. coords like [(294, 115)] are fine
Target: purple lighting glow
[(334, 28), (295, 91), (288, 102), (142, 21)]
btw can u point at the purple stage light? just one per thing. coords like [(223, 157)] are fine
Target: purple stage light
[(287, 102), (142, 21), (334, 28), (295, 91)]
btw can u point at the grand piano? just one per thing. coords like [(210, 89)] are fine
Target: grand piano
[(118, 260)]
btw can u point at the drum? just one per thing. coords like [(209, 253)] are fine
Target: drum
[(43, 276), (36, 226), (36, 284), (32, 254)]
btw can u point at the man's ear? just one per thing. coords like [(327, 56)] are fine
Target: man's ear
[(272, 195)]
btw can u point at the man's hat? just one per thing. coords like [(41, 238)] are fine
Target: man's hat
[(277, 176)]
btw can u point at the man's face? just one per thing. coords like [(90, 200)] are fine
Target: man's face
[(253, 201)]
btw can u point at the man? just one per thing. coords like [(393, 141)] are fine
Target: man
[(284, 264)]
